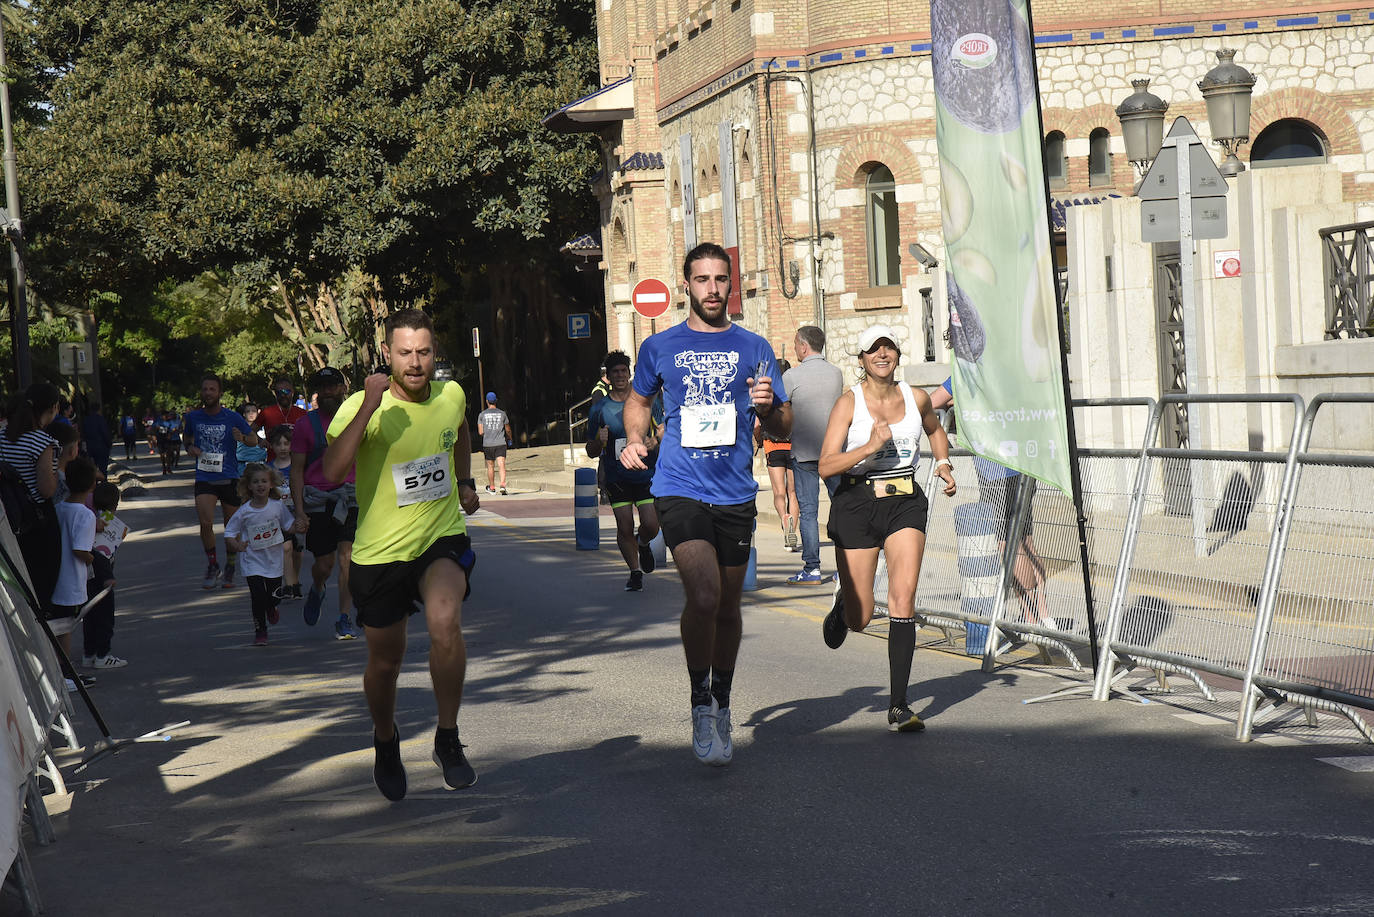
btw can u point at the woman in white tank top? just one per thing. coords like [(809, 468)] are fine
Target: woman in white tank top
[(873, 443)]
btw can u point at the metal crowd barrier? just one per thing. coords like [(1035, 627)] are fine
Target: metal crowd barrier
[(967, 591), (1314, 639), (1044, 546), (1199, 535), (34, 702)]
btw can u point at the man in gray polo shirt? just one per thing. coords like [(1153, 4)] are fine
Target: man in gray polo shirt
[(814, 385)]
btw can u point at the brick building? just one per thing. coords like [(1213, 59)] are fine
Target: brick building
[(803, 132)]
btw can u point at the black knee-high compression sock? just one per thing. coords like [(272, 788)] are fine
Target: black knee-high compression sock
[(901, 645), (701, 687), (720, 686)]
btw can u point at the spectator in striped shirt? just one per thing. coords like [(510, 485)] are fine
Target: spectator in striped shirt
[(32, 454)]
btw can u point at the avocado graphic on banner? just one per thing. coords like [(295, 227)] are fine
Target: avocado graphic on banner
[(1008, 385)]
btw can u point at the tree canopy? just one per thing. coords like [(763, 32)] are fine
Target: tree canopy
[(289, 144)]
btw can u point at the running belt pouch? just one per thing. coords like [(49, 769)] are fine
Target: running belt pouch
[(894, 487)]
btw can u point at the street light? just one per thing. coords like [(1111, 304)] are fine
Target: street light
[(1227, 88), (1142, 125)]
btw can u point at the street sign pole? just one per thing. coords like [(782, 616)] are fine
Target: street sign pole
[(1183, 199), (1186, 256), (477, 353)]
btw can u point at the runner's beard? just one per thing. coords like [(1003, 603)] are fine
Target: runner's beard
[(330, 404), (700, 311)]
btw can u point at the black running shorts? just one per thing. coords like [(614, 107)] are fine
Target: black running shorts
[(387, 593), (325, 532), (492, 453), (226, 492), (858, 519), (729, 529), (627, 493)]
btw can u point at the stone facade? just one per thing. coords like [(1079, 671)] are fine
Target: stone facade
[(857, 77)]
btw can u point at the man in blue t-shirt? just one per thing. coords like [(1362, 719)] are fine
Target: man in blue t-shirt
[(716, 378), (211, 434), (627, 489)]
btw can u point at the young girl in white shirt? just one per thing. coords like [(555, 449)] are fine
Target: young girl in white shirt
[(258, 530)]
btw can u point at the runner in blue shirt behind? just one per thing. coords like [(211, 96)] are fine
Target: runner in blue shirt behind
[(211, 435), (627, 489), (716, 378)]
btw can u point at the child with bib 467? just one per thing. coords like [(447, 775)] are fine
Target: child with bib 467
[(258, 530)]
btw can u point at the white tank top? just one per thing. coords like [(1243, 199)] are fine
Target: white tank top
[(902, 451)]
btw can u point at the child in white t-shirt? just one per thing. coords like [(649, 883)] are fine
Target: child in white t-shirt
[(78, 539), (258, 530), (279, 442)]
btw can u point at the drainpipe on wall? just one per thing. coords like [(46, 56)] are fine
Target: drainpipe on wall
[(817, 296)]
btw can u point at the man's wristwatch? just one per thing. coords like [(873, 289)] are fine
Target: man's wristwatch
[(470, 483)]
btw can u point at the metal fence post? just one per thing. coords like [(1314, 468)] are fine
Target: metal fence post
[(1111, 630), (1273, 565)]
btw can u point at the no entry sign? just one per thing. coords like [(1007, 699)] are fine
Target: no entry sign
[(650, 297)]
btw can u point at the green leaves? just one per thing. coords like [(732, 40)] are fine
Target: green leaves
[(293, 136)]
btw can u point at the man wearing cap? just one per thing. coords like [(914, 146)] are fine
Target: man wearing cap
[(327, 511), (814, 385), (495, 428)]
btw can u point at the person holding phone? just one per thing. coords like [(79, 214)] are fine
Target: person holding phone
[(716, 379), (873, 442)]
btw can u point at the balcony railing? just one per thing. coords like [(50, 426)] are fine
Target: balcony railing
[(1348, 263)]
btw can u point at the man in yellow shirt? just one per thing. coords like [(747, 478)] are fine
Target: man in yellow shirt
[(408, 436)]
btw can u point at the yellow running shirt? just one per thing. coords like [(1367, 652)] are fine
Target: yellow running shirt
[(407, 491)]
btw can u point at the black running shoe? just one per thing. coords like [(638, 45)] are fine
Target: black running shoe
[(388, 771), (636, 582), (833, 628), (901, 716), (448, 754), (646, 558)]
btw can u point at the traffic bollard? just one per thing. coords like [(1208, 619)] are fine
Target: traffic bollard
[(586, 510), (751, 572)]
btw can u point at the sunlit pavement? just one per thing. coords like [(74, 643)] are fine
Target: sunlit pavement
[(588, 797)]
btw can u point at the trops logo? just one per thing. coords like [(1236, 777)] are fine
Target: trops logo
[(974, 50)]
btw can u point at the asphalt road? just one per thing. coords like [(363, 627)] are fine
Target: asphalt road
[(589, 799)]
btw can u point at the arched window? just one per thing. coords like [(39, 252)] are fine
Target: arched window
[(1056, 163), (1288, 142), (884, 261), (1099, 157)]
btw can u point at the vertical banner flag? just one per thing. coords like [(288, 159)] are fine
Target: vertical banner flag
[(1008, 385), (689, 194), (729, 228)]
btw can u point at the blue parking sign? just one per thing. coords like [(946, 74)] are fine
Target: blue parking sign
[(579, 325)]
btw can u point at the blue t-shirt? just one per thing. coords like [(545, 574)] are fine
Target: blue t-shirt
[(610, 414), (168, 430), (707, 452), (210, 433), (247, 454)]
